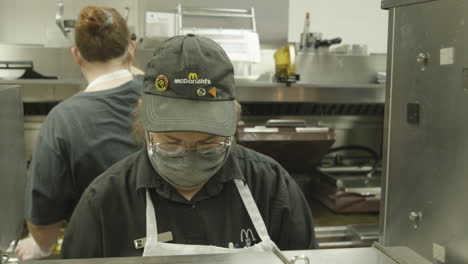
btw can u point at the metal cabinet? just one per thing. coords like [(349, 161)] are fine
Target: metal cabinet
[(426, 137), (12, 166)]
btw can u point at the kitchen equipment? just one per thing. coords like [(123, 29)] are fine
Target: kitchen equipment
[(352, 199), (11, 74), (349, 180), (65, 25), (296, 148), (285, 57), (241, 44), (285, 64), (344, 66), (13, 166), (12, 70), (314, 40), (357, 235)]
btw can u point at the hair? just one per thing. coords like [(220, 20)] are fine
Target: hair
[(139, 132), (101, 34)]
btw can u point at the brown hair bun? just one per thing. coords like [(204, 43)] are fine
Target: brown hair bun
[(101, 34)]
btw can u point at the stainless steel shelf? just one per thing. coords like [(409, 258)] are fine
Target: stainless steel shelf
[(310, 93), (42, 90)]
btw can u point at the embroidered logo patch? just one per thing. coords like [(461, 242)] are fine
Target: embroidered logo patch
[(212, 91), (247, 237), (201, 92), (161, 83), (192, 78)]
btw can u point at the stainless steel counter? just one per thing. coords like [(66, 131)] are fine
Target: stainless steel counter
[(46, 90), (335, 256)]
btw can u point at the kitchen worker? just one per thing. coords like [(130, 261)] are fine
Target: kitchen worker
[(192, 190), (85, 134)]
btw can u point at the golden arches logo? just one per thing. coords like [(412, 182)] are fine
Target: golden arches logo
[(193, 76), (247, 236)]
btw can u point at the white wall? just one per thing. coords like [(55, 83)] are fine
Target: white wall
[(355, 21), (33, 21), (23, 21)]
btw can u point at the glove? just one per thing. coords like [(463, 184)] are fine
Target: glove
[(28, 249)]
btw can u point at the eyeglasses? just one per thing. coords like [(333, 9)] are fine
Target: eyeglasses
[(176, 150)]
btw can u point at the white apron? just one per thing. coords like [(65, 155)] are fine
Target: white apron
[(155, 248)]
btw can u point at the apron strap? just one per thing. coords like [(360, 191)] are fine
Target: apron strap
[(151, 225), (247, 199), (252, 209)]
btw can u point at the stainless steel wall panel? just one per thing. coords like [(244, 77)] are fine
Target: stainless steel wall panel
[(334, 68)]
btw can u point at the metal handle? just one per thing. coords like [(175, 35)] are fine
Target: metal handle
[(301, 257), (416, 218), (59, 17), (280, 255), (422, 58), (64, 25), (285, 123), (5, 257)]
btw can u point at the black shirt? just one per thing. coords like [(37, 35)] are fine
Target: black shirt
[(81, 138), (111, 214)]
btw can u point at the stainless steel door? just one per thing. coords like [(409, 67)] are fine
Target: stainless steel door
[(426, 138)]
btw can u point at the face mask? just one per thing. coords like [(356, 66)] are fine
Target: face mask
[(188, 170)]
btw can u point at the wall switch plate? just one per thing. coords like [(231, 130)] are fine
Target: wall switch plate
[(438, 252)]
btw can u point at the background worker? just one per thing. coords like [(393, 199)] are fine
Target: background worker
[(85, 134)]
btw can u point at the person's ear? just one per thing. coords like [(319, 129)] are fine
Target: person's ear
[(131, 50), (76, 56)]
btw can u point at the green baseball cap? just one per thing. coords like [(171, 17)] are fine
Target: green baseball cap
[(189, 86)]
